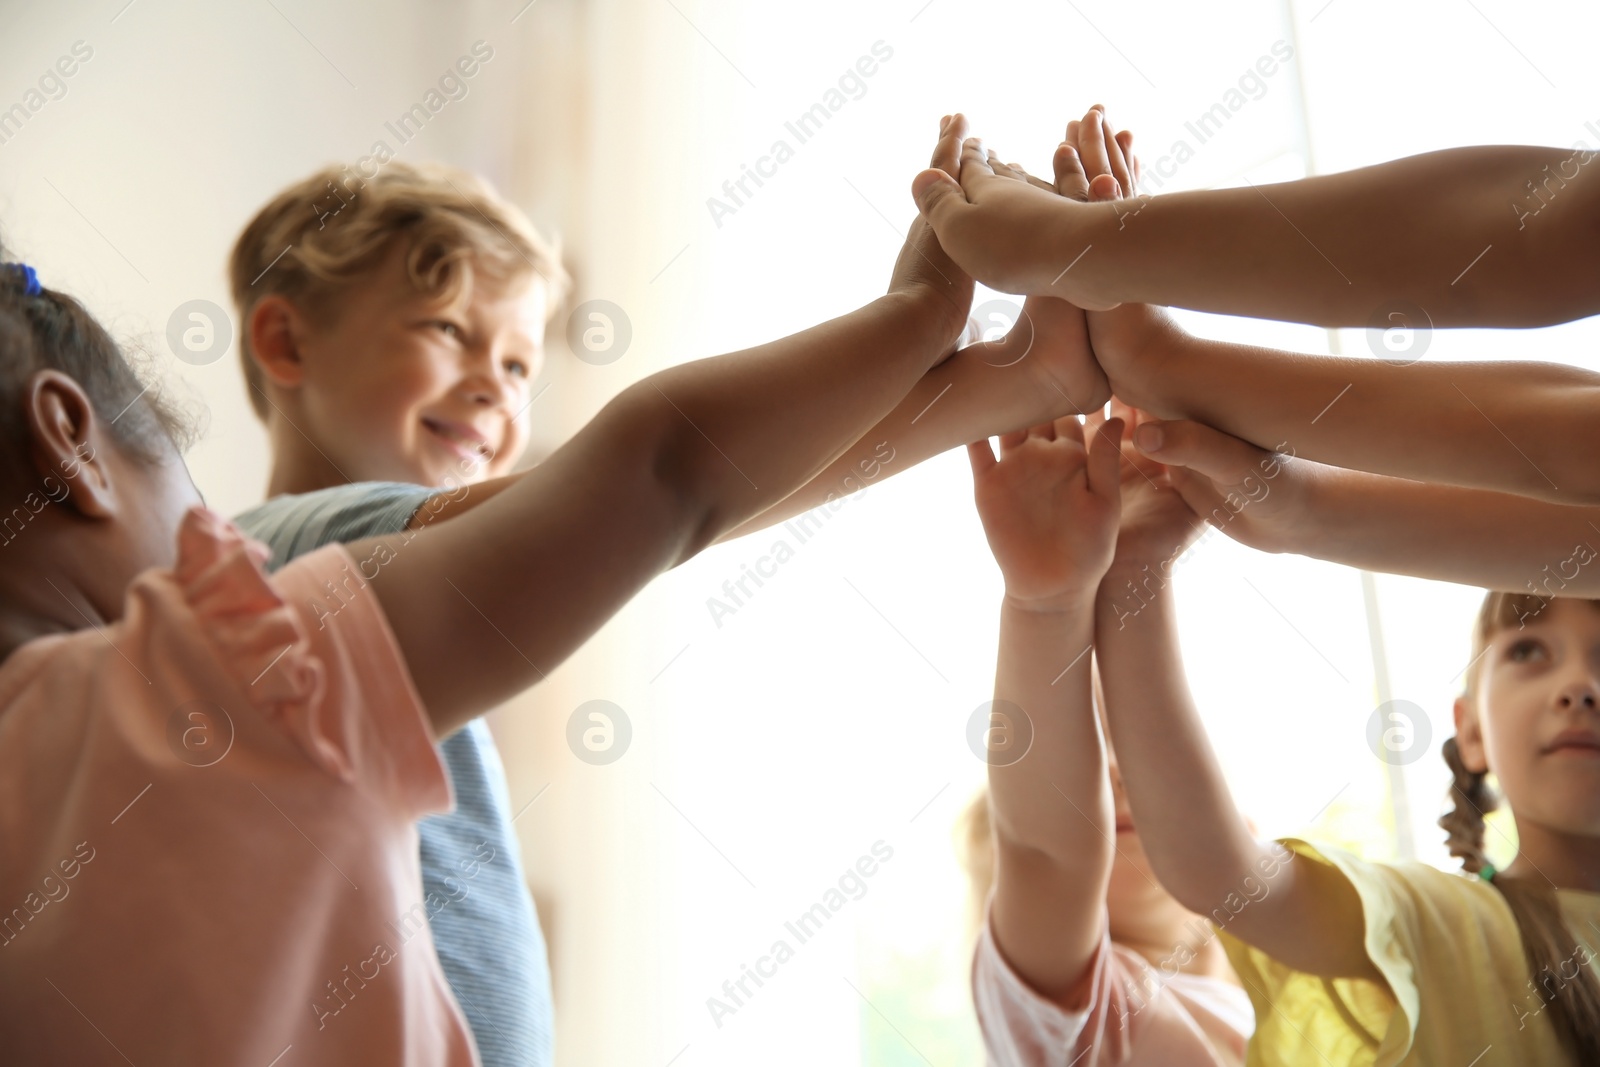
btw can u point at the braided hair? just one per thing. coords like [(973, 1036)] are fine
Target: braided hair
[(1573, 1002)]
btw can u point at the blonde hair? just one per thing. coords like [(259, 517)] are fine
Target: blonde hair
[(1546, 941), (454, 224), (974, 832)]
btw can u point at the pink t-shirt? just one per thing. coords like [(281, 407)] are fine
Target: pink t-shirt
[(208, 850), (1136, 1015)]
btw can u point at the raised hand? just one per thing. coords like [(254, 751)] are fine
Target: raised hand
[(1257, 497), (1049, 506), (1157, 523), (1011, 235), (923, 268)]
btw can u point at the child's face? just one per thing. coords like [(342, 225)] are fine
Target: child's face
[(400, 388), (1535, 721)]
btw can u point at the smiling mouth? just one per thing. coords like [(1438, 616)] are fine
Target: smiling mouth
[(463, 440)]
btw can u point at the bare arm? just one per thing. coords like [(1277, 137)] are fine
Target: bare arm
[(1052, 811), (1497, 235), (487, 603), (1049, 511), (1197, 842), (1471, 536), (1526, 428)]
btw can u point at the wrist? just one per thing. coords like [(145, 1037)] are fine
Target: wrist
[(938, 317), (1140, 349), (1136, 582), (1065, 605), (1066, 230)]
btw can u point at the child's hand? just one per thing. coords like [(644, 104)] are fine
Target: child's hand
[(1049, 507), (1256, 497), (1157, 522), (1009, 234), (1051, 332), (923, 270), (1094, 158)]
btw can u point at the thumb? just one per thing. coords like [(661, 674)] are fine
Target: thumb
[(1224, 459), (937, 195)]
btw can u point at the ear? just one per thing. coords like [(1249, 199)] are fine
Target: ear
[(67, 443), (275, 328), (1469, 736)]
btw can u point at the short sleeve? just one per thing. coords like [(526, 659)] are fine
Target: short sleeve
[(312, 652), (1451, 960), (290, 526), (1020, 1027)]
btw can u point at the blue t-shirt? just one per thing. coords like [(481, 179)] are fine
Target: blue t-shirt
[(486, 931)]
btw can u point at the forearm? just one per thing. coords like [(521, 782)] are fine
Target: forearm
[(1198, 843), (1525, 428), (1334, 249), (486, 604), (972, 395), (1053, 820), (756, 425), (1056, 800), (1449, 534)]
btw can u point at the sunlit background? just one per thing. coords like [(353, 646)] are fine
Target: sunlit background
[(775, 745)]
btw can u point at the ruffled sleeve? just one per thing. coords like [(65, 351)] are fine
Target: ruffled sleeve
[(259, 638)]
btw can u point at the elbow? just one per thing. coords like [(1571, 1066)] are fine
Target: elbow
[(671, 473)]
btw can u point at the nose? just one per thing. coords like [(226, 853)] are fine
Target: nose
[(1579, 693), (483, 386)]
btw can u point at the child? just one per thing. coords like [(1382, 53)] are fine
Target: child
[(1083, 957), (1484, 236), (1356, 962), (397, 343), (329, 682)]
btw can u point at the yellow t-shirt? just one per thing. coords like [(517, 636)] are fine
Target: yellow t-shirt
[(1458, 989)]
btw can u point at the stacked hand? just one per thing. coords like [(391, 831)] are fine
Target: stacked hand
[(1049, 507)]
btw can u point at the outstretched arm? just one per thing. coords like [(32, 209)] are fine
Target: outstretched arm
[(1198, 843), (1049, 510), (486, 604), (1278, 503), (1041, 370), (1526, 428), (1505, 236)]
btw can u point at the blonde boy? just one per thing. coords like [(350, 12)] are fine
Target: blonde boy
[(391, 329)]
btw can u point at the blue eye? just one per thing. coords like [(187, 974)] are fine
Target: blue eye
[(449, 329), (518, 368)]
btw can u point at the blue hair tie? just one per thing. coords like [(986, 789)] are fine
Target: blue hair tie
[(30, 279)]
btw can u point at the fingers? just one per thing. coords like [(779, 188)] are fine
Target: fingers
[(1010, 442), (974, 163), (1001, 169), (1119, 161), (1135, 170), (935, 190), (1045, 431), (1070, 180), (981, 456), (1105, 461), (1220, 457), (1068, 428), (947, 150), (1092, 148)]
